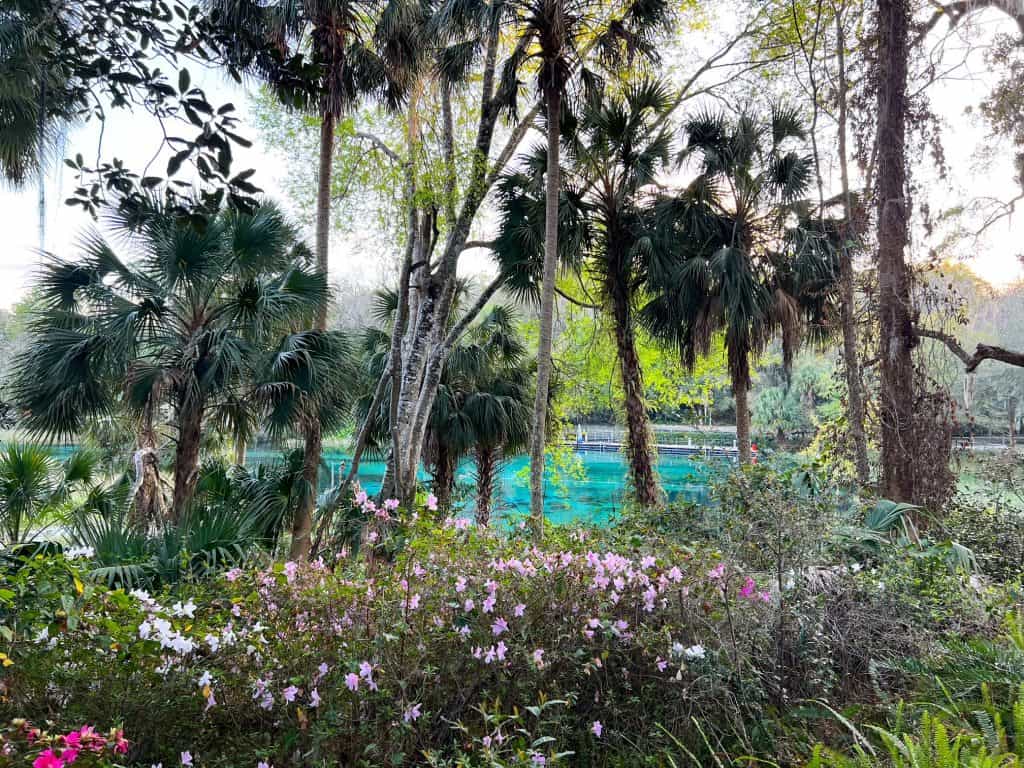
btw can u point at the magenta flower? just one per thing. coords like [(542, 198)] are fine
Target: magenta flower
[(717, 572), (47, 759), (747, 590)]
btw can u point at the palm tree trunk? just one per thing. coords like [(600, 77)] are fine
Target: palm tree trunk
[(444, 477), (241, 449), (186, 455), (486, 467), (302, 525), (547, 312), (313, 438), (740, 391), (896, 329), (147, 503), (638, 449), (847, 296)]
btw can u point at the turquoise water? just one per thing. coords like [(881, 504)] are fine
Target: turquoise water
[(593, 494)]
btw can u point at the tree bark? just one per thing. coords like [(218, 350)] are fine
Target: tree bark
[(302, 524), (538, 433), (241, 449), (147, 502), (740, 391), (486, 469), (443, 473), (847, 294), (639, 452), (896, 330), (186, 455), (1011, 407)]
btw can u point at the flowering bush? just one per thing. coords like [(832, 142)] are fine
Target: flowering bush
[(459, 647), (22, 744)]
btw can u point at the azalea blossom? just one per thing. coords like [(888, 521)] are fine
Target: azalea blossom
[(499, 627), (290, 693), (186, 758), (597, 729), (352, 681), (432, 502), (694, 652), (412, 714)]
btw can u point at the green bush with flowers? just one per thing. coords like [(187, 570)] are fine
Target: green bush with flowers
[(442, 644)]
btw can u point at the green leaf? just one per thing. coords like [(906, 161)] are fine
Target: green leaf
[(184, 80)]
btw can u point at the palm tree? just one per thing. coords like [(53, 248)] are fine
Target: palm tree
[(621, 145), (559, 35), (740, 250), (357, 48), (479, 404), (33, 486), (183, 324), (308, 378)]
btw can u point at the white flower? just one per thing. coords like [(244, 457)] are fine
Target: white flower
[(188, 609), (205, 680), (75, 552), (694, 652)]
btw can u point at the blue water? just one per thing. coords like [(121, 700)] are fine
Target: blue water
[(593, 491)]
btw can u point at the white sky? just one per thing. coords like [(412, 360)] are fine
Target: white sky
[(980, 168)]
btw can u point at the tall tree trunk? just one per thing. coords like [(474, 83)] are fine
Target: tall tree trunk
[(443, 473), (639, 452), (241, 449), (847, 294), (302, 524), (741, 391), (1011, 406), (147, 501), (896, 330), (547, 314), (186, 455), (486, 469)]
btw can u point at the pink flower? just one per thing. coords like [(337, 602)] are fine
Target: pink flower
[(747, 590), (412, 714), (519, 610), (597, 729), (675, 574), (765, 596), (314, 698), (647, 562), (538, 759), (186, 758), (499, 627), (391, 504), (460, 585), (414, 602), (47, 759), (538, 657), (432, 502), (717, 572), (488, 605), (290, 693), (233, 575), (352, 681), (361, 497), (469, 605), (500, 650), (660, 663), (263, 764), (290, 569)]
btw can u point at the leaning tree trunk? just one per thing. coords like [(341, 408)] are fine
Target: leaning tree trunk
[(547, 314), (186, 455), (638, 449), (741, 391), (303, 522), (847, 294), (896, 330), (486, 469)]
